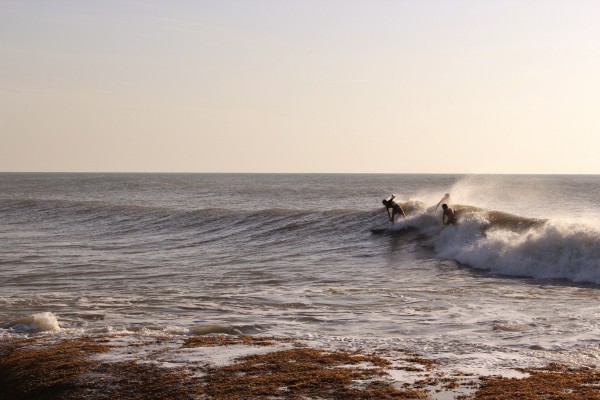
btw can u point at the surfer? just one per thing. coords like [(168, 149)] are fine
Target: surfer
[(395, 207), (448, 216), (445, 199)]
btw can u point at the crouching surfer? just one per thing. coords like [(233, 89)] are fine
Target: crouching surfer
[(395, 207), (448, 216)]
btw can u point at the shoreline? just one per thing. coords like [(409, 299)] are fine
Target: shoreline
[(102, 366)]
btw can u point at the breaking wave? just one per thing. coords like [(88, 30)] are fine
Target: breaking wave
[(513, 245), (40, 322)]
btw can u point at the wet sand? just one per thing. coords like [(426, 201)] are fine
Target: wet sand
[(248, 367)]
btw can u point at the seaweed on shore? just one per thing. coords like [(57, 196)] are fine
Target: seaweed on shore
[(43, 368), (33, 369), (214, 341), (554, 381), (305, 373)]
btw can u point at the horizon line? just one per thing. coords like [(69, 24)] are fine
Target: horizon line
[(292, 173)]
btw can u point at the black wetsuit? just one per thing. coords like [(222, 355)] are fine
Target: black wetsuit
[(451, 217), (396, 209)]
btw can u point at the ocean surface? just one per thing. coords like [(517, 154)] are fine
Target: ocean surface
[(516, 281)]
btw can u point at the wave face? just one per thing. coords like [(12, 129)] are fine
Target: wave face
[(170, 228)]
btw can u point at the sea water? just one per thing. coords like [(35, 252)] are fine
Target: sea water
[(516, 280)]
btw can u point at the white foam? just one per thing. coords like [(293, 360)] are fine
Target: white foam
[(554, 250), (40, 322)]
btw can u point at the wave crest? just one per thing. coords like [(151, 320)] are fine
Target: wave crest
[(509, 244), (40, 322)]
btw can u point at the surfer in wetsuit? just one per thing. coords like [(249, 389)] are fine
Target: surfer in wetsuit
[(395, 207), (448, 216)]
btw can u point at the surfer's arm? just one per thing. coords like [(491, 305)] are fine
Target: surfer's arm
[(401, 212), (445, 198), (439, 202)]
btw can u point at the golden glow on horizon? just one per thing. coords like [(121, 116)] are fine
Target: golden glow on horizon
[(272, 86)]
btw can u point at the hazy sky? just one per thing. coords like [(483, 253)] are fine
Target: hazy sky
[(300, 86)]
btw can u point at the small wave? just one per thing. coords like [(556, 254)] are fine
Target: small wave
[(226, 329), (512, 326), (40, 322)]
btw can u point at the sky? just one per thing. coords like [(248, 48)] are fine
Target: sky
[(332, 86)]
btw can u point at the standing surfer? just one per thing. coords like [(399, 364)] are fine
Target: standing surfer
[(395, 207)]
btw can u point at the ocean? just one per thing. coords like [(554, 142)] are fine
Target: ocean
[(515, 282)]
